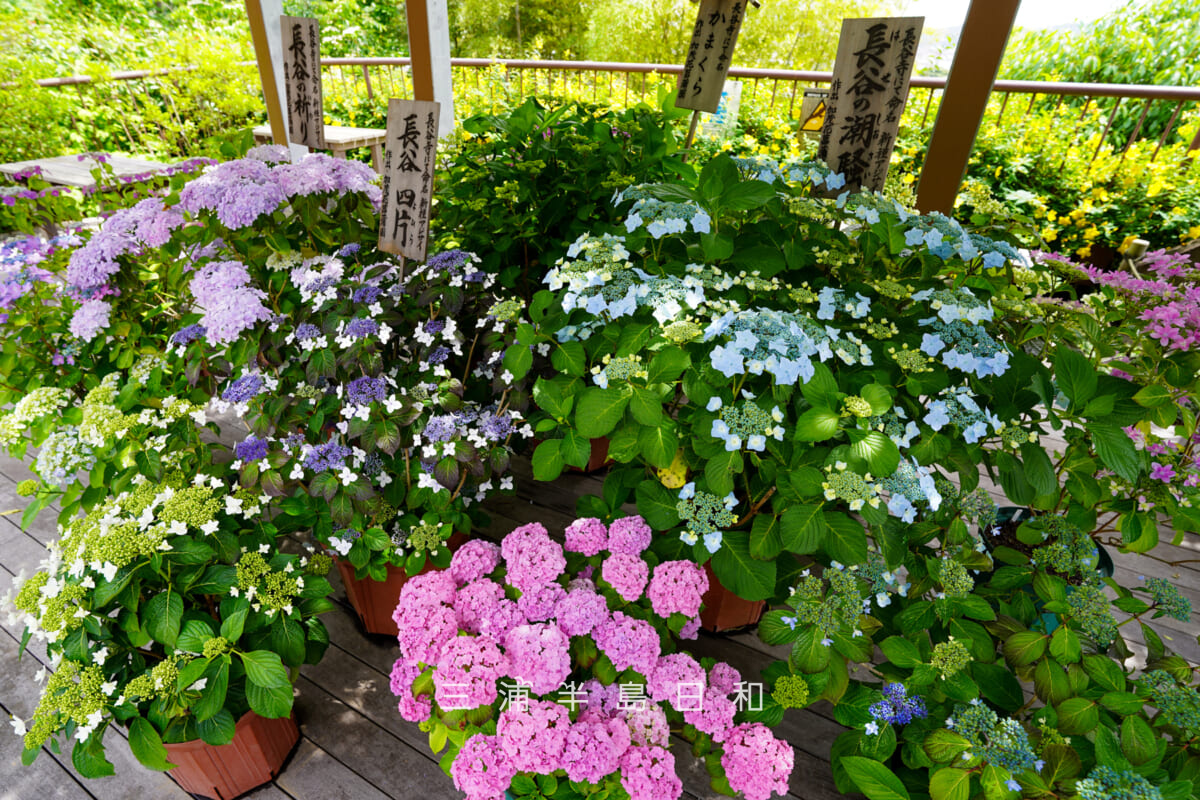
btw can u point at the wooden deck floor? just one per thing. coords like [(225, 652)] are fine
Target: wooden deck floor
[(354, 745)]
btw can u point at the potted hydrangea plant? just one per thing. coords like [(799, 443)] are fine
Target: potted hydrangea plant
[(166, 606), (551, 670)]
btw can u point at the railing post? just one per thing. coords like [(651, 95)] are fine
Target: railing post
[(264, 30), (429, 46), (972, 73)]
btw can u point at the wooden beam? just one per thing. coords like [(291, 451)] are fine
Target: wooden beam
[(266, 68), (429, 47), (972, 73)]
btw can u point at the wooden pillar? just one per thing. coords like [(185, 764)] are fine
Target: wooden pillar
[(972, 73), (429, 46), (264, 31)]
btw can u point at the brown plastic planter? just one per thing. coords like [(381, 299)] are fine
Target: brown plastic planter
[(254, 757), (374, 601), (724, 610)]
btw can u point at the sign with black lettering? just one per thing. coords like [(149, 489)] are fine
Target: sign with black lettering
[(866, 98), (408, 167), (710, 54), (302, 79)]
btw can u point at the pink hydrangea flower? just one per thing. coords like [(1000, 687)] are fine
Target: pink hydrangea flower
[(477, 602), (714, 715), (539, 656), (677, 587), (593, 750), (626, 574), (690, 629), (629, 643), (413, 709), (756, 763), (474, 560), (629, 535), (425, 617), (648, 773), (467, 673), (600, 701), (503, 617), (580, 612), (533, 735), (724, 678), (587, 536), (678, 679), (648, 726), (482, 769), (532, 557), (538, 604)]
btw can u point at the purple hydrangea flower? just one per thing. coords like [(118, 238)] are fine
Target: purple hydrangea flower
[(90, 318), (349, 250), (306, 331), (897, 707), (367, 294), (251, 449), (438, 355), (450, 261), (440, 428), (244, 389), (360, 328), (230, 304), (365, 390), (435, 326), (239, 192), (185, 336), (331, 456)]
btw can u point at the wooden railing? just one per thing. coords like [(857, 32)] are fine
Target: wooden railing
[(1122, 114)]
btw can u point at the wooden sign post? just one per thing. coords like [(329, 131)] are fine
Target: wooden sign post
[(710, 54), (302, 74), (870, 86), (412, 137)]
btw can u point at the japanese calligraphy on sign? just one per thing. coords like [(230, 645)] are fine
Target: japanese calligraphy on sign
[(412, 137), (302, 79), (710, 54), (870, 85)]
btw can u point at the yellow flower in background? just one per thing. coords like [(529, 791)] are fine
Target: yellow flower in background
[(1125, 244), (1193, 232), (1049, 234), (1084, 251), (998, 170)]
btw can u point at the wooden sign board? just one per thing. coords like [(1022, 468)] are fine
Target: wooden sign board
[(866, 98), (302, 78), (412, 138), (710, 54), (812, 112)]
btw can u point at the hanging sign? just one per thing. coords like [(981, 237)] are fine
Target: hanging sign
[(870, 85), (710, 54), (412, 137), (302, 79), (722, 124)]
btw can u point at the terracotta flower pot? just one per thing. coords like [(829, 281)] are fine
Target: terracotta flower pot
[(254, 757), (374, 601), (724, 610)]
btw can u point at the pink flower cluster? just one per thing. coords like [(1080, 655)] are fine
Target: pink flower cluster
[(464, 624), (1170, 302)]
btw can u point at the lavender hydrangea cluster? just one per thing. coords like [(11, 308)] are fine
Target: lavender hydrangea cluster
[(231, 304), (896, 707), (126, 232)]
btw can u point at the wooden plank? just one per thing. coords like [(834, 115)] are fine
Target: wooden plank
[(71, 171), (369, 750), (408, 171), (710, 54), (302, 80), (866, 97), (313, 773)]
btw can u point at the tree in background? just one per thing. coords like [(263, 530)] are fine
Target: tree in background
[(1153, 42)]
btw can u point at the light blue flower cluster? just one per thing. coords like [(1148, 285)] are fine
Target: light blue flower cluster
[(910, 484), (831, 302), (778, 342), (63, 454), (1106, 783), (661, 217), (896, 425), (1003, 743), (946, 238), (957, 305), (962, 344), (956, 406), (747, 425), (793, 171), (705, 516)]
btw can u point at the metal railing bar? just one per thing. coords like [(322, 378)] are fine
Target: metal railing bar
[(1167, 131)]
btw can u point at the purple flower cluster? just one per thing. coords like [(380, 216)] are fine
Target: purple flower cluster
[(361, 328), (238, 192), (318, 173), (185, 336), (897, 707), (147, 224), (366, 294), (306, 331), (328, 456), (440, 428), (365, 390), (244, 389), (496, 426), (90, 318), (231, 305), (251, 449)]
